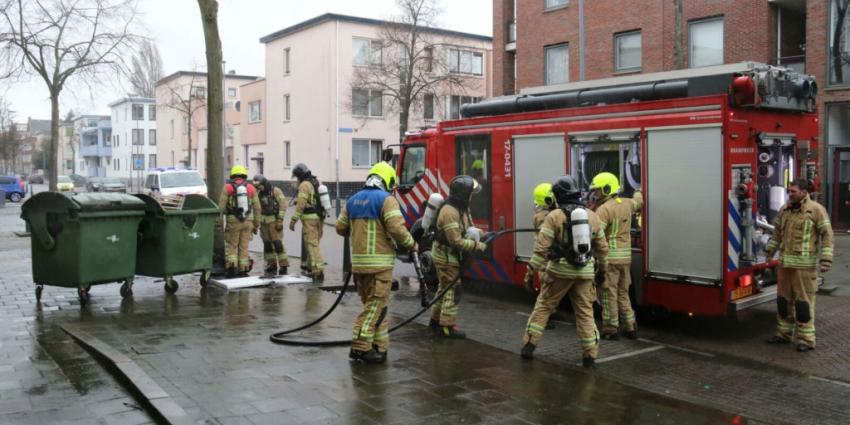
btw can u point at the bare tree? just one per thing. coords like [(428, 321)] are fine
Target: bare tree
[(8, 138), (215, 109), (839, 54), (147, 69), (406, 64), (678, 37), (64, 40), (187, 99)]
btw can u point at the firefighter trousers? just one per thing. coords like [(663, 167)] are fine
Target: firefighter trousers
[(312, 234), (372, 325), (237, 235), (273, 251), (582, 294), (795, 305), (445, 310), (616, 305)]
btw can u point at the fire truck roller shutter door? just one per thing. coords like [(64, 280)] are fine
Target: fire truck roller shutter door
[(536, 158)]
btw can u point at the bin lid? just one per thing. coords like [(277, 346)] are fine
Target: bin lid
[(83, 202), (189, 204)]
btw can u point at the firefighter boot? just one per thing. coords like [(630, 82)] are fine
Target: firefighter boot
[(776, 339), (588, 362), (610, 336), (230, 273), (374, 356), (270, 271), (356, 355), (803, 348), (452, 332), (434, 326), (527, 351), (632, 334), (282, 270)]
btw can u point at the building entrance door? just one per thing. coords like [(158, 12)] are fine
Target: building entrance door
[(841, 188)]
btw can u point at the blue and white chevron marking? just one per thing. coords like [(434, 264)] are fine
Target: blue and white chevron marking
[(733, 236)]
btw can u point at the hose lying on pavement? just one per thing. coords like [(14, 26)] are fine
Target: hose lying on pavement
[(279, 337)]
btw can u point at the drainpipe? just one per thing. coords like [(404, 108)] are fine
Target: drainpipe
[(778, 36), (336, 111), (580, 40)]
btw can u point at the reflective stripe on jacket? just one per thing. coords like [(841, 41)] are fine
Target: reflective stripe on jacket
[(802, 235), (454, 226), (552, 232), (306, 199), (615, 217), (373, 221)]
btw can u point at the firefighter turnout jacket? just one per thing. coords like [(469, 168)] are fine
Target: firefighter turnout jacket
[(373, 220), (552, 232), (453, 225), (228, 204), (273, 206), (307, 202), (615, 219), (539, 216), (803, 236)]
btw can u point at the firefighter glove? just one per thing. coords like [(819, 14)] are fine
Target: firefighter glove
[(292, 225), (278, 225), (528, 280), (481, 246), (825, 266)]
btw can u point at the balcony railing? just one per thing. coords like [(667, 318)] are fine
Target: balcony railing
[(797, 63), (95, 150)]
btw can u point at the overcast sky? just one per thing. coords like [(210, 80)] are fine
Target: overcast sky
[(176, 27)]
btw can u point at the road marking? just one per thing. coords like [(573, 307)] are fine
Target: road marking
[(831, 381), (630, 354), (676, 347), (551, 320)]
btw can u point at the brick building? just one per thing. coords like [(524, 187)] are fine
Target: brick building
[(549, 42)]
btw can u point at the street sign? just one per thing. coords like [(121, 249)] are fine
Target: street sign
[(138, 162)]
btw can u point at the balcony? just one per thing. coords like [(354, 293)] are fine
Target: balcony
[(511, 44), (95, 150)]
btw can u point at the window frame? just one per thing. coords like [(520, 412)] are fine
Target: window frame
[(370, 54), (152, 136), (152, 160), (232, 90), (621, 36), (287, 58), (702, 21), (287, 107), (546, 63), (426, 105), (259, 117), (137, 141), (287, 154), (458, 54), (370, 97), (370, 146), (555, 7), (140, 108), (151, 112)]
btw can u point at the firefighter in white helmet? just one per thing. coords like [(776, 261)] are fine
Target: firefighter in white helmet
[(615, 217), (569, 243)]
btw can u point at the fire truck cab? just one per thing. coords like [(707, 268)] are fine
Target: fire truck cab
[(712, 150)]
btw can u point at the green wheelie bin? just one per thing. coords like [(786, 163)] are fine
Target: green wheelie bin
[(176, 239), (82, 240)]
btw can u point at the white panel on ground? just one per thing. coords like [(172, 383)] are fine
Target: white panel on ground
[(685, 202), (537, 159), (257, 281)]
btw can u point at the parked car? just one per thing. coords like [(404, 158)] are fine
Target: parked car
[(15, 188), (64, 184), (169, 182), (79, 181), (36, 179), (106, 184)]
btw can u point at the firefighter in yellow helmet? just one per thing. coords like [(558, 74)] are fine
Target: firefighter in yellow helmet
[(615, 216), (241, 209), (803, 238), (373, 221), (570, 241), (273, 207), (544, 203), (456, 237), (309, 210)]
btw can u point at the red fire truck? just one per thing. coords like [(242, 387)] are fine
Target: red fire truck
[(712, 149)]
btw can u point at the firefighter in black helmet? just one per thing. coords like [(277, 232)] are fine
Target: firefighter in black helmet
[(273, 209), (570, 243), (310, 212), (456, 237)]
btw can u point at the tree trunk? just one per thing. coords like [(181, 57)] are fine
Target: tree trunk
[(678, 45), (189, 134), (837, 60), (403, 118), (215, 100), (53, 146)]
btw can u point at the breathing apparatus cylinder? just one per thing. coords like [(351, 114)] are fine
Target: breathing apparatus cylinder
[(777, 199), (580, 230), (242, 199), (324, 197), (430, 216)]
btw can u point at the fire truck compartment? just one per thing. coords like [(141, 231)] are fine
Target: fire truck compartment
[(685, 204)]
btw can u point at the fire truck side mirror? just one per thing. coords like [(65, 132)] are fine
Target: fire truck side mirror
[(387, 155)]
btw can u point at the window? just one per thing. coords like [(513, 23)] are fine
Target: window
[(117, 165), (466, 62), (553, 4), (117, 140), (839, 43), (428, 106), (428, 59), (254, 114), (172, 129), (457, 101), (627, 51), (138, 162), (199, 92), (138, 112), (557, 64), (705, 42), (107, 141), (231, 92), (151, 112), (367, 103), (473, 153), (152, 137), (366, 52), (365, 153), (152, 160), (287, 154), (286, 61), (412, 166), (286, 110), (138, 137), (185, 125)]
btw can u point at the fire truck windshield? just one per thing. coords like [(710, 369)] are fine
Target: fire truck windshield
[(412, 166)]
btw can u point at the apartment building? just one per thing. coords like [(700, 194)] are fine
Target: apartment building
[(66, 155), (134, 137), (181, 118), (94, 144), (312, 114), (549, 42)]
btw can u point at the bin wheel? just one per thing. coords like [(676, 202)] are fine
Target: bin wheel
[(83, 295), (126, 289), (205, 278), (38, 289), (171, 285)]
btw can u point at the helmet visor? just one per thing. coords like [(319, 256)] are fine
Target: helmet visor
[(476, 188)]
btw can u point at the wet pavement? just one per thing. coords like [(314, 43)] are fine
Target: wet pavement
[(209, 351)]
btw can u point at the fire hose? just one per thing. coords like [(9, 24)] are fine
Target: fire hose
[(279, 337)]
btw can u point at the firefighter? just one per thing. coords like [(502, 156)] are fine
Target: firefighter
[(309, 210), (273, 208), (803, 238), (615, 217), (373, 221), (570, 239), (455, 239), (241, 208), (544, 203)]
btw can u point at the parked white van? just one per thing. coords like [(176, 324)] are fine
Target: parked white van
[(170, 181)]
